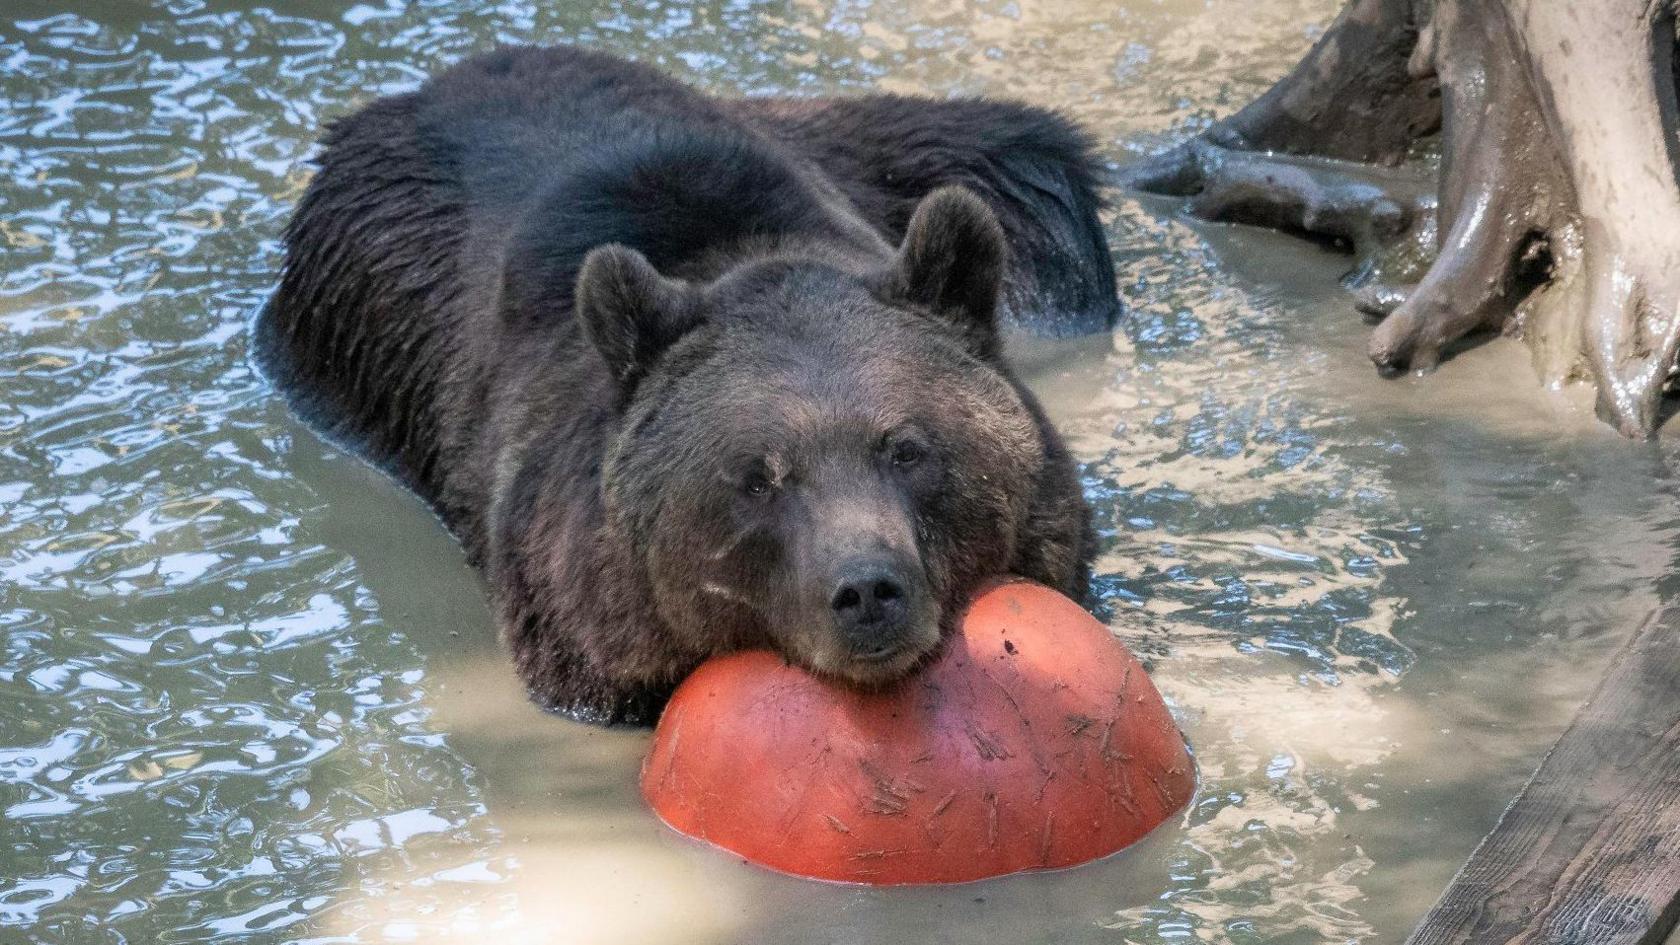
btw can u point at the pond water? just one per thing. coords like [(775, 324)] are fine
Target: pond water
[(249, 692)]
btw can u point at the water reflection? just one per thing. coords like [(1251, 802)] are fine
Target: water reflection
[(249, 692)]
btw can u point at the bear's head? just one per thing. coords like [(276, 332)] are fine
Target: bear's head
[(823, 459)]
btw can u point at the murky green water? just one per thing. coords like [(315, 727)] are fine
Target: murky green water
[(250, 693)]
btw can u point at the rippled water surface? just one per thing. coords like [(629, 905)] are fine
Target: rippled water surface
[(250, 693)]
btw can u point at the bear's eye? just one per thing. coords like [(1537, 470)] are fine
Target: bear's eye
[(756, 484), (906, 453)]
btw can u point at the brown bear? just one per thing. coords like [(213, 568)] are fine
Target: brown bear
[(687, 375)]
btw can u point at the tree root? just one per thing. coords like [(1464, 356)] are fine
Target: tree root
[(1557, 206), (1362, 206), (1501, 183), (1351, 98), (1609, 69)]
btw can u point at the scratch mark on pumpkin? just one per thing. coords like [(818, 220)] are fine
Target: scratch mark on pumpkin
[(671, 754), (991, 819), (988, 747), (875, 854), (944, 802), (1044, 838), (887, 799)]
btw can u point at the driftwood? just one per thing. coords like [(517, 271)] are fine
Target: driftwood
[(1557, 201), (1589, 853)]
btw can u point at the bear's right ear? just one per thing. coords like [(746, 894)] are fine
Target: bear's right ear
[(628, 311), (951, 263)]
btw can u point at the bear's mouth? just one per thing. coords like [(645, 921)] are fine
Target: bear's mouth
[(885, 654), (879, 667)]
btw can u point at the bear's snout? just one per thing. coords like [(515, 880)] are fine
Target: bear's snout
[(870, 607), (881, 616)]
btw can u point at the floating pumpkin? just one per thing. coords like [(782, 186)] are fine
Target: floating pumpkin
[(1035, 741)]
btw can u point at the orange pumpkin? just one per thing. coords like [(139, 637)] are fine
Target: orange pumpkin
[(1035, 741)]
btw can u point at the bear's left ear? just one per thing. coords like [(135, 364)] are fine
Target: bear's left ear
[(630, 312), (951, 263)]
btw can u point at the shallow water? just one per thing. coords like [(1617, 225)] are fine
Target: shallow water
[(250, 693)]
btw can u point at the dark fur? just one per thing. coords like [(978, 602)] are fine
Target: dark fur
[(426, 317), (1034, 169)]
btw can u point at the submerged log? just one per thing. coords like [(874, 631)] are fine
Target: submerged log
[(1557, 193), (1589, 853)]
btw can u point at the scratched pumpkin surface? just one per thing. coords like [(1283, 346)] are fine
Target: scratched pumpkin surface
[(1036, 741)]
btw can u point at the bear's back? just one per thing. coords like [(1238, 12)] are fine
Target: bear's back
[(507, 124)]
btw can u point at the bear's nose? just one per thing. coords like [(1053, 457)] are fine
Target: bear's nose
[(869, 604)]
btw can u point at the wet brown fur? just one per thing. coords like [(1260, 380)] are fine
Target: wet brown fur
[(427, 318)]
